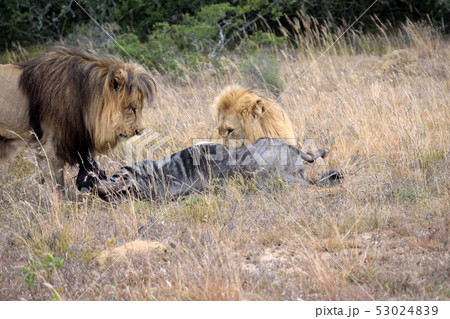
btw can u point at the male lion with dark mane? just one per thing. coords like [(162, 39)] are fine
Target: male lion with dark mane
[(69, 104), (244, 114)]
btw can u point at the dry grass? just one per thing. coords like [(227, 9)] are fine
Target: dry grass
[(382, 234)]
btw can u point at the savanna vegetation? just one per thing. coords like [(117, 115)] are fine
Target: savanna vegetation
[(376, 95)]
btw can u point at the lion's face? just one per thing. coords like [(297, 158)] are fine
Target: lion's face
[(238, 116), (230, 127), (122, 115), (131, 122), (119, 123)]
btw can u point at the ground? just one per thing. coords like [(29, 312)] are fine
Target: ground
[(382, 234)]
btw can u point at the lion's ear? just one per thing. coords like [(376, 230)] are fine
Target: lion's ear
[(115, 85), (258, 108), (117, 81)]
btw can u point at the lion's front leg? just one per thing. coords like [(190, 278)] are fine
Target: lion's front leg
[(119, 185), (89, 174)]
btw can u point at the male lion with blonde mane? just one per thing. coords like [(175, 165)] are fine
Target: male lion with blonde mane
[(68, 105), (243, 114)]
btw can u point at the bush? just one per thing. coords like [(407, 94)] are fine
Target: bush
[(188, 43), (160, 52), (217, 21), (266, 40), (129, 43)]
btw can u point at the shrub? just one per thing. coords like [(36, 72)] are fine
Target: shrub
[(260, 40), (187, 43)]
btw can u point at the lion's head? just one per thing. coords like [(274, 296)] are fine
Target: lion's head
[(83, 102), (243, 114), (127, 90)]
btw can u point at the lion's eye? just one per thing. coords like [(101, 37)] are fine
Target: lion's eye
[(229, 131), (134, 110)]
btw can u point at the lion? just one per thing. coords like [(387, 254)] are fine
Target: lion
[(68, 105), (244, 115)]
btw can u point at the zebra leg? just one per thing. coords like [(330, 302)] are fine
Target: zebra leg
[(312, 156)]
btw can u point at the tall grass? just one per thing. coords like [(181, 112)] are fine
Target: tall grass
[(382, 234)]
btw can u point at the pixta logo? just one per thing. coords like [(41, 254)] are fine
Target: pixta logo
[(148, 145)]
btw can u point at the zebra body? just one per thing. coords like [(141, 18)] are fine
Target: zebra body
[(192, 168)]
